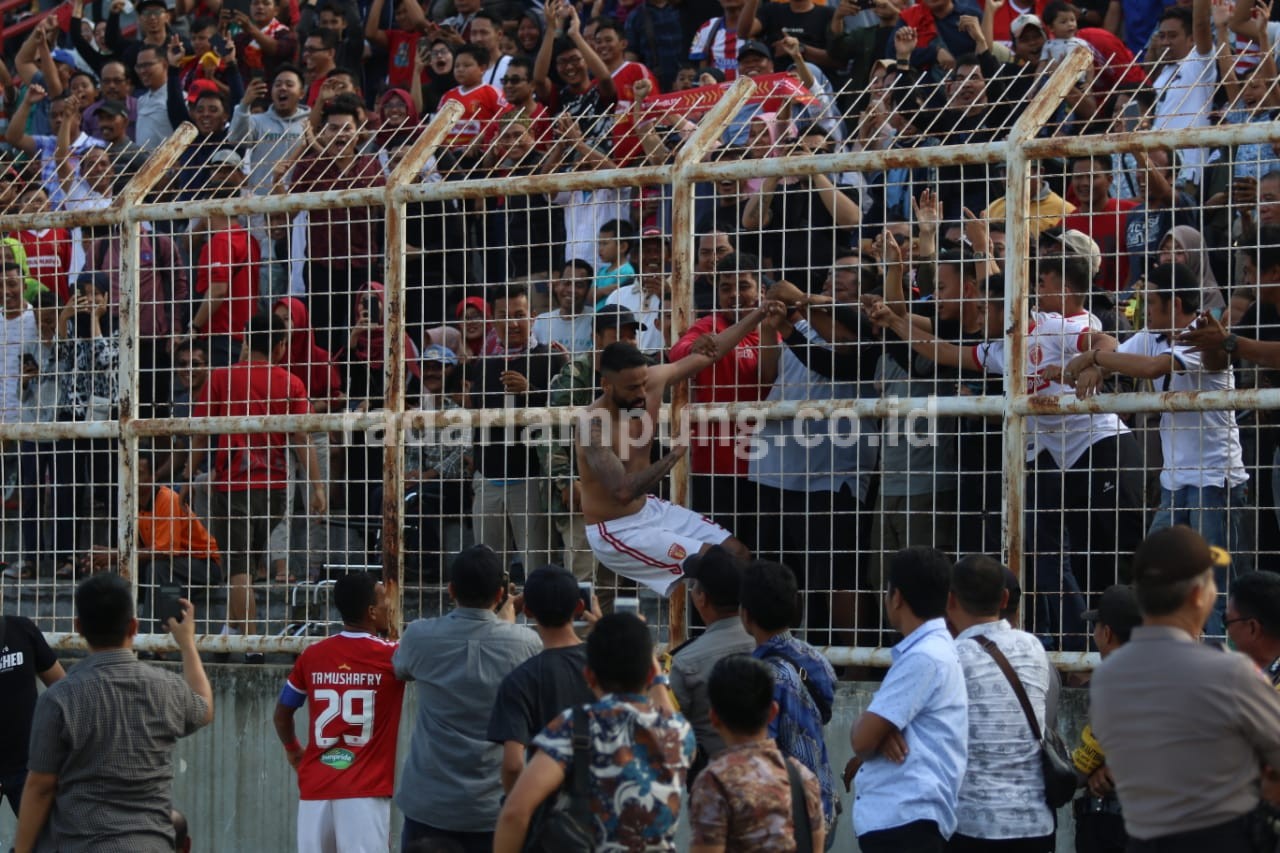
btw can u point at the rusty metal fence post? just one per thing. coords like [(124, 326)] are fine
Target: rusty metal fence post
[(1017, 306), (404, 174), (683, 252)]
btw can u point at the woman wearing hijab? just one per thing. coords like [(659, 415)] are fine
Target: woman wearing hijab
[(88, 357), (1183, 244), (314, 366), (397, 120)]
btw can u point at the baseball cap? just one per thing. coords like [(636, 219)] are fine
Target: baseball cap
[(616, 317), (551, 594), (1117, 609), (754, 46), (113, 108), (142, 4), (225, 157), (1175, 554), (1077, 244), (200, 87), (718, 573), (1023, 21), (440, 353), (66, 57)]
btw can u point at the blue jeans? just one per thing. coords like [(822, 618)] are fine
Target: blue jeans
[(1211, 510)]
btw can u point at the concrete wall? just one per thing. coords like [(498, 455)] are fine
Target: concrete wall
[(239, 794)]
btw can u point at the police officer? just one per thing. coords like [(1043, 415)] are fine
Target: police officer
[(1189, 729), (1099, 824)]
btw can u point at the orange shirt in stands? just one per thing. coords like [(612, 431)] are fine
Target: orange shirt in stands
[(170, 527)]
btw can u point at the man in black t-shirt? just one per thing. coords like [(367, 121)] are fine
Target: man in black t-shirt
[(803, 20), (24, 656), (534, 693)]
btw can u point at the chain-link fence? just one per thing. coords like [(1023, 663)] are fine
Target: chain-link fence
[(937, 270)]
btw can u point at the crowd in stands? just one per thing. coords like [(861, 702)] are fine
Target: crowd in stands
[(880, 283)]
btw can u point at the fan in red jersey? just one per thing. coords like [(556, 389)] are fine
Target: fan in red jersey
[(346, 772), (481, 102)]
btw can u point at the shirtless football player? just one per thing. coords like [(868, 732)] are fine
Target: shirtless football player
[(632, 532)]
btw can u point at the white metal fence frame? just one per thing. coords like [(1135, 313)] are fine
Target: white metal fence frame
[(129, 211)]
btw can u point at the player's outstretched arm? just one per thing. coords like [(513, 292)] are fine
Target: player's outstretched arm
[(598, 455), (703, 355)]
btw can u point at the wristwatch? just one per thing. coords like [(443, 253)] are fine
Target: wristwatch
[(1229, 344)]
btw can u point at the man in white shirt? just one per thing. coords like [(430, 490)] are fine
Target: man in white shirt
[(162, 106), (1187, 77), (17, 330), (1002, 801), (911, 744), (645, 295), (570, 323), (1202, 483)]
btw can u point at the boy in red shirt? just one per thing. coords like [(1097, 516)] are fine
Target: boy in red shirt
[(347, 771), (49, 249), (251, 470), (481, 102)]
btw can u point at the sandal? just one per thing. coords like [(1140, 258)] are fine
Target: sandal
[(19, 572)]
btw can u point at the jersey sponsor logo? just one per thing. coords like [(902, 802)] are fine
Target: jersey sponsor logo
[(338, 759)]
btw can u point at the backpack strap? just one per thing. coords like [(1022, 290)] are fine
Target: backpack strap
[(799, 809), (1016, 683), (581, 763)]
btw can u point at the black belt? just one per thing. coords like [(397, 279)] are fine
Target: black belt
[(1085, 806)]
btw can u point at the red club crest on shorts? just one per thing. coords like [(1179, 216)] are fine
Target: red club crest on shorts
[(677, 552)]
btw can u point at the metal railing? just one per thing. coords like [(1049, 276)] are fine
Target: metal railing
[(145, 203)]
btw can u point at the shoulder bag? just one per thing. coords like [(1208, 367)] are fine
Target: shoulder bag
[(799, 809), (1059, 772), (565, 824)]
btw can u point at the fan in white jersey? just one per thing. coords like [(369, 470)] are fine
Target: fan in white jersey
[(1085, 492), (1202, 482)]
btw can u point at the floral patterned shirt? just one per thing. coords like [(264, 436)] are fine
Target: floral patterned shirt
[(639, 757)]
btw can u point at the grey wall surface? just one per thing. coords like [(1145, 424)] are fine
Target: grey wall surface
[(240, 796)]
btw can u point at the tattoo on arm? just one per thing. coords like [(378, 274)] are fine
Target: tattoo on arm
[(610, 472)]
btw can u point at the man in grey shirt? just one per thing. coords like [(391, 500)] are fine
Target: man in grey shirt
[(714, 580), (101, 764), (451, 786), (1186, 727)]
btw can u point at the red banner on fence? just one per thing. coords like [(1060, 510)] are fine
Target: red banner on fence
[(772, 91)]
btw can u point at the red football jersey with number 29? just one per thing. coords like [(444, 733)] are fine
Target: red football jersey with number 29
[(355, 701)]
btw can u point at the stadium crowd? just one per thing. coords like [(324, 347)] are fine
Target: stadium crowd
[(1159, 266), (830, 287)]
